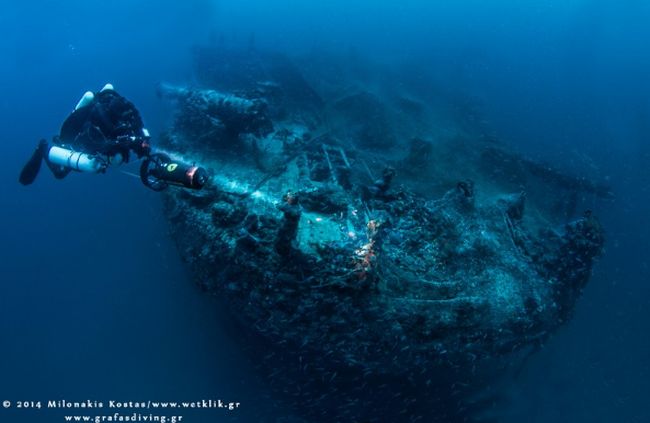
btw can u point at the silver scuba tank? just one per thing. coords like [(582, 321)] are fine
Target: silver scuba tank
[(75, 160)]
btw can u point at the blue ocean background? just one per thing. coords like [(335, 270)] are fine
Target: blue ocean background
[(94, 300)]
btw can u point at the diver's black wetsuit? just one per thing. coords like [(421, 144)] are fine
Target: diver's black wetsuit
[(99, 127), (108, 126)]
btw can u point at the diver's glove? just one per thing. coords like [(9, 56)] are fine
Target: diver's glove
[(139, 145)]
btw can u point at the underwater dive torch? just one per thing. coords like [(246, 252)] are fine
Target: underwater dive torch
[(158, 171)]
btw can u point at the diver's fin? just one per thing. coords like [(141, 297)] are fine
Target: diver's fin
[(33, 165)]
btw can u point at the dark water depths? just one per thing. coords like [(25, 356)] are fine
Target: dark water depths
[(95, 304)]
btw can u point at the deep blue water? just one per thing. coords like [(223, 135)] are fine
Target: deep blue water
[(94, 302)]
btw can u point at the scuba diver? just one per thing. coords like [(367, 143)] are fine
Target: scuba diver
[(103, 130)]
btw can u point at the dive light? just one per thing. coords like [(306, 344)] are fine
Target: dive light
[(158, 171)]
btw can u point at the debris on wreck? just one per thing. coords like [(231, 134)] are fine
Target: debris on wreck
[(367, 292), (211, 118)]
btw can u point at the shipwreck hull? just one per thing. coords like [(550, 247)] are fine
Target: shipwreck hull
[(362, 299), (341, 300)]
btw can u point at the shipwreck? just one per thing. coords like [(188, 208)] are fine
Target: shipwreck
[(383, 258)]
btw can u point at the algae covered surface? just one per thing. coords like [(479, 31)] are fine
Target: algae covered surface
[(365, 236)]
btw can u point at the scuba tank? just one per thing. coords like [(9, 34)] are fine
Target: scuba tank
[(75, 160), (158, 171)]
